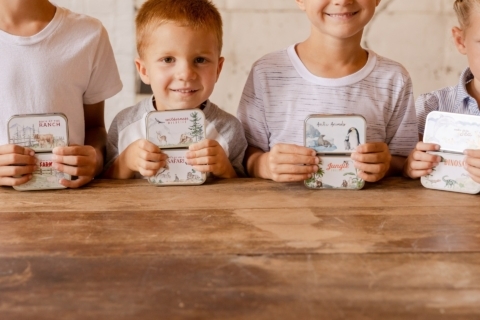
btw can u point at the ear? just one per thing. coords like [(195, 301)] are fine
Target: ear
[(220, 66), (459, 39), (142, 70), (301, 4)]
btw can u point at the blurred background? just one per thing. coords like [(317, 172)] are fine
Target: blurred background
[(415, 33)]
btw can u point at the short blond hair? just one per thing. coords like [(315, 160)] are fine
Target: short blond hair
[(463, 9), (197, 14)]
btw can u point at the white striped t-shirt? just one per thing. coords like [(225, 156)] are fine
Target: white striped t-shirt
[(450, 99), (281, 93)]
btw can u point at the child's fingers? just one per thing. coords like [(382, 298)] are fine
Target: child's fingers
[(11, 181), (149, 165), (148, 146), (204, 168), (10, 171), (75, 171), (422, 165), (370, 157), (472, 153), (372, 147), (293, 149), (13, 148), (205, 152), (210, 160), (426, 157), (414, 174), (206, 143), (377, 168), (74, 150), (294, 159), (474, 172), (73, 184), (78, 161), (287, 169), (370, 177), (422, 146), (17, 159)]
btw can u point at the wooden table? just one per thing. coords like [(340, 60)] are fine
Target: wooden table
[(239, 249)]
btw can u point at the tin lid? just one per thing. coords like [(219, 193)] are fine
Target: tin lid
[(175, 129), (452, 131), (334, 134), (40, 132)]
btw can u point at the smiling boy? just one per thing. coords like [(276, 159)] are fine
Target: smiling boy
[(179, 43), (328, 73)]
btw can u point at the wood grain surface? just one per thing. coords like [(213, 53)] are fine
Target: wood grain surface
[(239, 249)]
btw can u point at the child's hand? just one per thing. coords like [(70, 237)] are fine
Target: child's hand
[(472, 164), (373, 160), (288, 162), (209, 156), (419, 163), (16, 161), (144, 157), (75, 160)]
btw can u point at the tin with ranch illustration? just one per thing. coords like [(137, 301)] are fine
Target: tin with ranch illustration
[(454, 133), (334, 138), (175, 129), (173, 132), (41, 133)]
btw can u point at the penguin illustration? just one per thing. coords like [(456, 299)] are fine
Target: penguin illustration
[(176, 178), (352, 140)]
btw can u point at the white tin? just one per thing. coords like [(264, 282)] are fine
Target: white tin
[(40, 132), (334, 138), (334, 134), (175, 129), (335, 172), (450, 175), (45, 177), (177, 171), (452, 131)]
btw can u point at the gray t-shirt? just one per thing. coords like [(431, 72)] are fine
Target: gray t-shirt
[(129, 126)]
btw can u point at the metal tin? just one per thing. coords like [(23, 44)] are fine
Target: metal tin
[(45, 177), (335, 172), (177, 171), (450, 175), (40, 132), (334, 138), (452, 131), (334, 134), (175, 129)]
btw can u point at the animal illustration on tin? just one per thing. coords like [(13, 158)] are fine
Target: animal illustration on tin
[(175, 129), (31, 137), (449, 183), (319, 142), (352, 140)]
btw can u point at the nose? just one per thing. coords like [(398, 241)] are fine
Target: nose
[(186, 72), (343, 2)]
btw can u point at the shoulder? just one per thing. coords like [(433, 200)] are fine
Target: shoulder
[(391, 69), (272, 60), (221, 119), (130, 115), (434, 97), (81, 23)]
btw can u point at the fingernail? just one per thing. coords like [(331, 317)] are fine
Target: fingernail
[(437, 147), (317, 160), (315, 168)]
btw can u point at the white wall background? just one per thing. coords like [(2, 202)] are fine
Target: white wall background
[(414, 32)]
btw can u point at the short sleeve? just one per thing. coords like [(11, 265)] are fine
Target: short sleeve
[(402, 131), (251, 113), (104, 80), (425, 104)]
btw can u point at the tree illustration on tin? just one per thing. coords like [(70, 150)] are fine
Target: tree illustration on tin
[(196, 130)]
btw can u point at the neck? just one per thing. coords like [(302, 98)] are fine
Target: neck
[(329, 57), (473, 89), (25, 17)]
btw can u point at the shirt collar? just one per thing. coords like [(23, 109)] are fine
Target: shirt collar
[(464, 100)]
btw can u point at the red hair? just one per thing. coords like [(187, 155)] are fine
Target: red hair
[(196, 14)]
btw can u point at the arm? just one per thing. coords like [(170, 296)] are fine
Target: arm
[(16, 165), (285, 162)]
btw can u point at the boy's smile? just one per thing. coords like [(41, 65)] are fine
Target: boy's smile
[(341, 19), (182, 64)]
